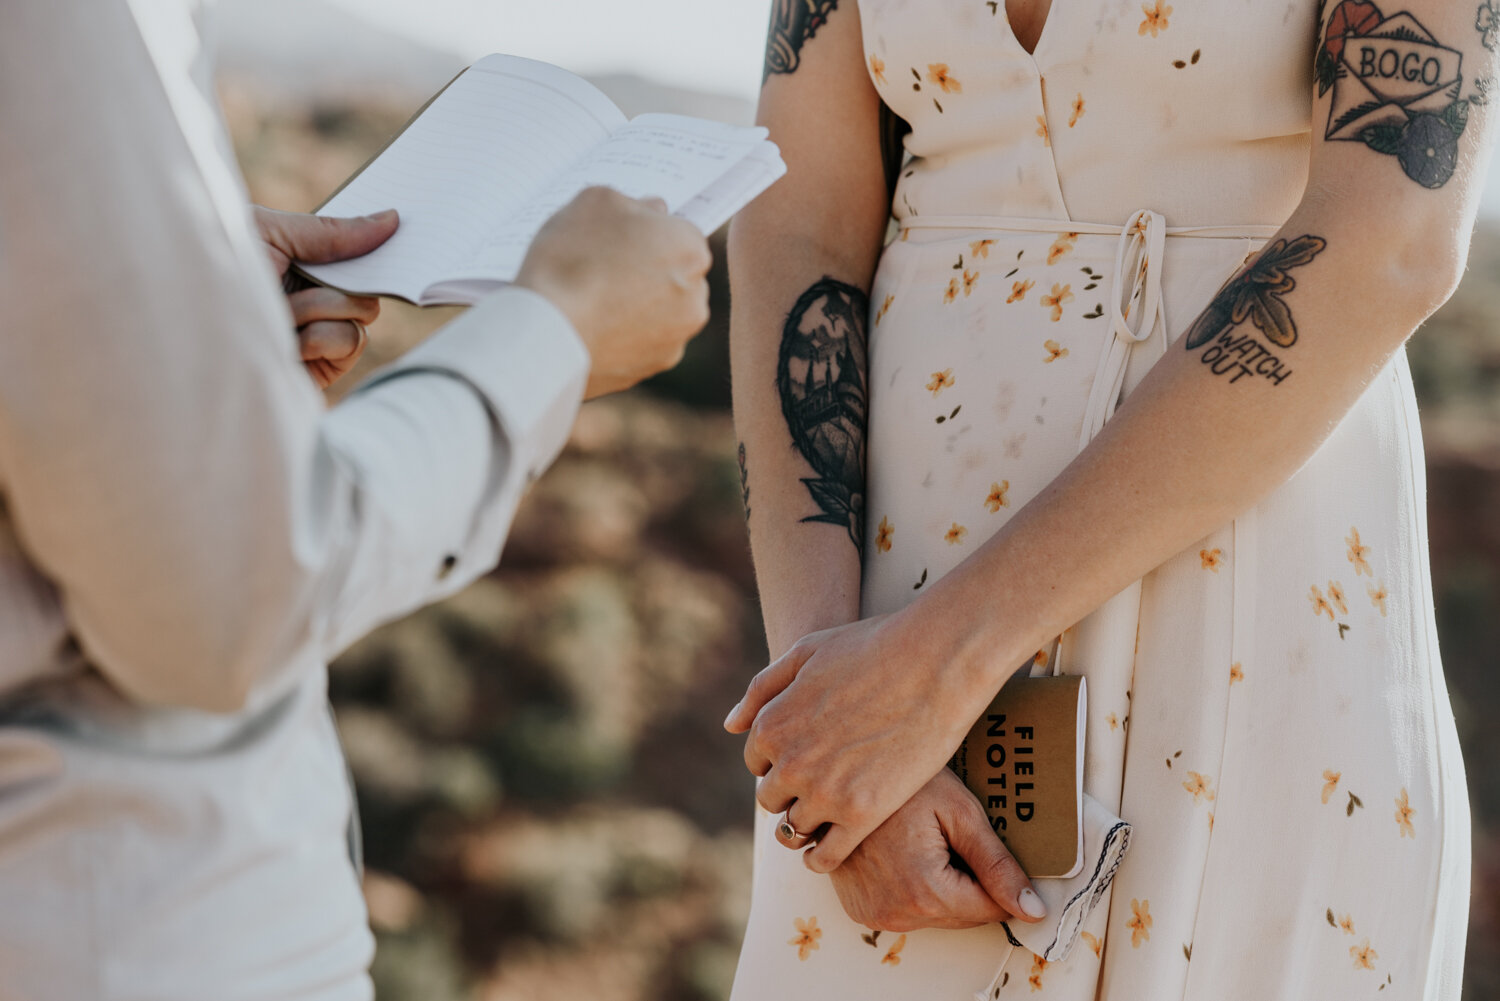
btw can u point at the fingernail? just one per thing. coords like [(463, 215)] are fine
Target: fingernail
[(733, 713), (1031, 904), (385, 216)]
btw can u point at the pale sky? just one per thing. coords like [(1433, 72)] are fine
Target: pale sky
[(712, 45)]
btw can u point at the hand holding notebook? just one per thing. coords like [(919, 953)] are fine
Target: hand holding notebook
[(504, 146)]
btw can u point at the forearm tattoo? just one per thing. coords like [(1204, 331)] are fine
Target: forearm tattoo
[(1396, 88), (1255, 294), (793, 22), (745, 482), (820, 377)]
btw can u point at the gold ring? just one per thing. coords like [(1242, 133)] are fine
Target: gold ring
[(789, 835)]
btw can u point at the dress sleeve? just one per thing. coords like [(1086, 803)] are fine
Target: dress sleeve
[(211, 528)]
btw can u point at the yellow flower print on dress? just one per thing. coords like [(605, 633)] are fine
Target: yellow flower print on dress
[(1019, 289), (885, 307), (1211, 559), (1319, 603), (1199, 785), (1113, 721), (938, 74), (1336, 595), (940, 381), (877, 68), (1377, 596), (1404, 813), (1364, 957), (1054, 352), (1156, 19), (806, 939), (1038, 967), (1357, 553), (953, 290), (1093, 942), (883, 535), (1236, 673), (970, 278), (893, 954), (1060, 294), (980, 248), (956, 534), (1077, 111), (1330, 782), (996, 500), (1346, 924), (1061, 246), (1139, 923), (1041, 130)]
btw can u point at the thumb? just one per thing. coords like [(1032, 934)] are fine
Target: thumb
[(318, 239), (996, 870)]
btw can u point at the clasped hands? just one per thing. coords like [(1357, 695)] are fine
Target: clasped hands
[(850, 732)]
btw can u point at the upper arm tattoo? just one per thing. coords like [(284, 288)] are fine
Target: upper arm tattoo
[(820, 377), (1396, 88), (1255, 294), (793, 22)]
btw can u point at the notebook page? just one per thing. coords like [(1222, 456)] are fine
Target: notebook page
[(481, 150), (668, 156), (716, 205)]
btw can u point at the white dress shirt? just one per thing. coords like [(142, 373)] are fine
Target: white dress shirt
[(187, 535)]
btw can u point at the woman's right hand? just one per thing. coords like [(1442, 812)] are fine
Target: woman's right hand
[(632, 279), (902, 877)]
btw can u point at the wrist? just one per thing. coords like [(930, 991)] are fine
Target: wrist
[(965, 645)]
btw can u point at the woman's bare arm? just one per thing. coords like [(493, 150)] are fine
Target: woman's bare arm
[(801, 259)]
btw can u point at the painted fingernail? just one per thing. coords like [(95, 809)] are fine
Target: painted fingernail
[(1031, 904), (733, 712)]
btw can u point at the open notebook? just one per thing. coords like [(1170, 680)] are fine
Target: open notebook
[(505, 145)]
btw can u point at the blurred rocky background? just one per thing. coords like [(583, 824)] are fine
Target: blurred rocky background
[(550, 808)]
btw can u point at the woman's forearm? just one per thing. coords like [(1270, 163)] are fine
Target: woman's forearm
[(1204, 437), (801, 260), (798, 350)]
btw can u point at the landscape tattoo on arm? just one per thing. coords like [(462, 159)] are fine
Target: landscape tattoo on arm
[(1396, 88), (1255, 294), (820, 377), (793, 22)]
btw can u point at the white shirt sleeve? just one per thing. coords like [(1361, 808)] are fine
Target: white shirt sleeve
[(164, 457)]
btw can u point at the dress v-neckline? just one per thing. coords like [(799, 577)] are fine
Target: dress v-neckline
[(1041, 35)]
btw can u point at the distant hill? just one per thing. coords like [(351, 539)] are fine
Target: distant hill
[(334, 58)]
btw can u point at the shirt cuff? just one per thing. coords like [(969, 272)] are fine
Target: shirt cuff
[(521, 354)]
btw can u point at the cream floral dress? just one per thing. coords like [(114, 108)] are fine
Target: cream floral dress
[(1267, 708)]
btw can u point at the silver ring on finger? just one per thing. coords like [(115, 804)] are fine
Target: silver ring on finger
[(789, 836)]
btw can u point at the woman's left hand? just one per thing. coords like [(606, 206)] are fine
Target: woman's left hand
[(848, 725)]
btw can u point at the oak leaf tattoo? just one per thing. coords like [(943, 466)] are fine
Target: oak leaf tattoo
[(1255, 294)]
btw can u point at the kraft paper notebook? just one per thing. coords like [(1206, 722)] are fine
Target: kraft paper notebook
[(1023, 759), (505, 145)]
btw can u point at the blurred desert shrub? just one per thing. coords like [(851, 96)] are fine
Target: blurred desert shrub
[(550, 808)]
